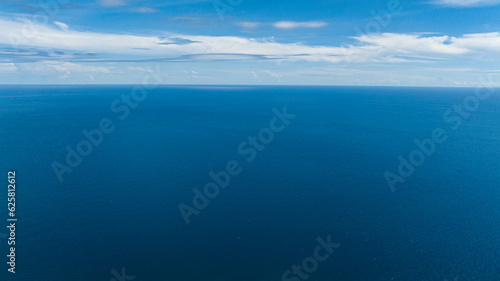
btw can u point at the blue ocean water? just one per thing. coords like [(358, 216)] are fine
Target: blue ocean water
[(323, 175)]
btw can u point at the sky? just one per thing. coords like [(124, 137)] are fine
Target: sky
[(450, 43)]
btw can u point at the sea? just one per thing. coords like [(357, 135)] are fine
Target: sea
[(250, 183)]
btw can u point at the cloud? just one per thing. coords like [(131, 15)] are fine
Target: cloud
[(383, 47), (217, 57), (272, 74), (59, 69), (112, 3), (284, 24), (134, 68), (295, 24), (192, 57), (21, 55), (192, 20), (7, 67), (479, 42), (249, 24), (61, 25), (176, 41), (145, 10), (73, 67), (467, 3), (413, 44)]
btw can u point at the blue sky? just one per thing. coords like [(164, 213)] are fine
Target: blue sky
[(329, 42)]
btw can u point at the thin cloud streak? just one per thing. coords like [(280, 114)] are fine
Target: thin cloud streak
[(295, 24), (145, 10), (284, 24), (467, 3)]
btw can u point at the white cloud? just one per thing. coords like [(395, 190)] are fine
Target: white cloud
[(61, 70), (467, 3), (112, 3), (133, 68), (7, 67), (73, 67), (385, 47), (145, 10), (61, 25), (249, 24), (272, 74), (414, 44), (284, 24), (479, 41), (295, 24)]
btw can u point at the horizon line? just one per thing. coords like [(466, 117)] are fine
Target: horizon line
[(250, 85)]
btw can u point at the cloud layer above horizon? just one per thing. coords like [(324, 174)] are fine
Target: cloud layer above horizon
[(379, 47), (71, 54)]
